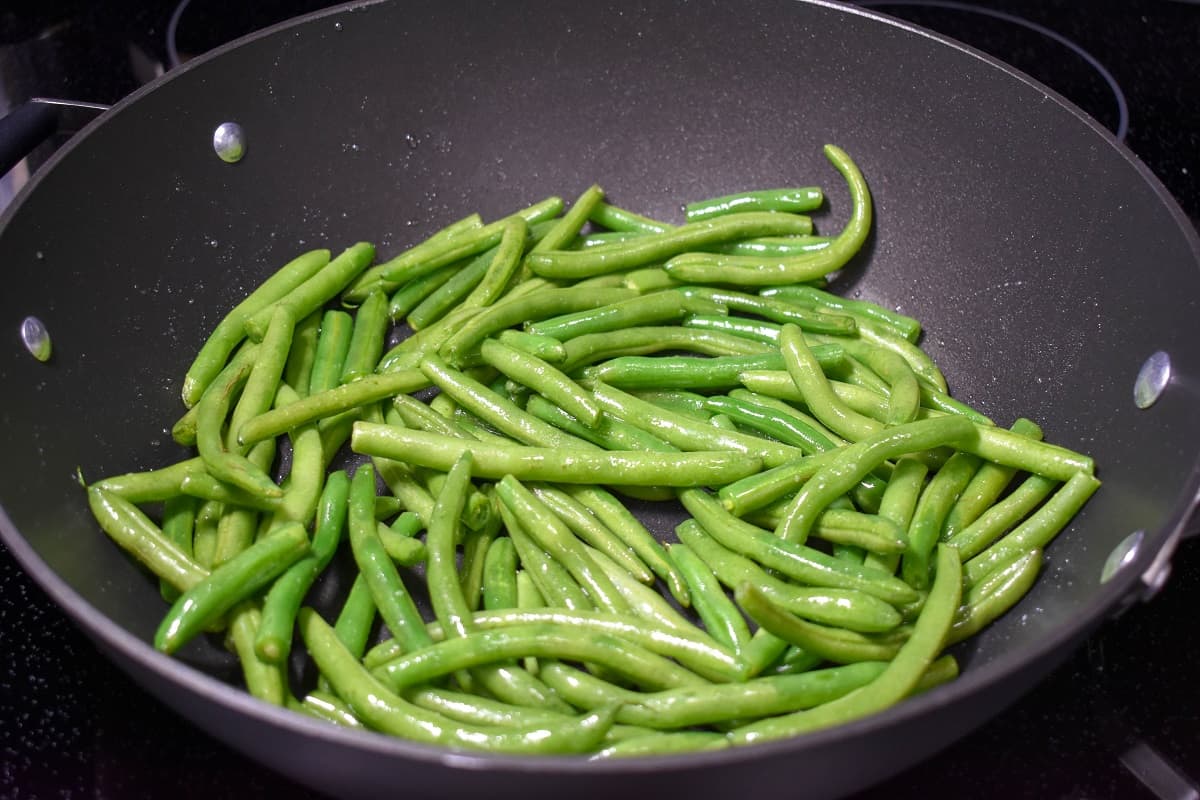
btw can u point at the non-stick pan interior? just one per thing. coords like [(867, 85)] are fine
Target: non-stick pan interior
[(1044, 261)]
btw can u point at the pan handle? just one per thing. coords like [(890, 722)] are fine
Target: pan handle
[(34, 121)]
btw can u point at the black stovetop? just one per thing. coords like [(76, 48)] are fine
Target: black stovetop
[(1120, 719)]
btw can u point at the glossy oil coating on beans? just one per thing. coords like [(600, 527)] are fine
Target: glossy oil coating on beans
[(547, 381)]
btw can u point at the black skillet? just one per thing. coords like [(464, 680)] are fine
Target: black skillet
[(1046, 262)]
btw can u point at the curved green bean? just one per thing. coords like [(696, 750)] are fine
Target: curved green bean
[(758, 271), (653, 248)]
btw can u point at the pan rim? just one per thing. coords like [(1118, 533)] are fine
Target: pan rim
[(102, 629)]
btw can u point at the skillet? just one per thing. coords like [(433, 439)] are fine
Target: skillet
[(1006, 223)]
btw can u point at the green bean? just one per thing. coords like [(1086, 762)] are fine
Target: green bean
[(647, 279), (792, 199), (572, 221), (230, 331), (788, 428), (543, 379), (333, 343), (787, 410), (873, 533), (356, 618), (640, 340), (552, 579), (405, 551), (297, 372), (934, 504), (476, 544), (445, 593), (660, 744), (688, 434), (153, 485), (991, 524), (620, 219), (846, 608), (834, 644), (371, 325), (758, 271), (690, 404), (496, 409), (994, 594), (609, 434), (795, 661), (431, 247), (940, 401), (806, 371), (323, 705), (391, 597), (799, 562), (238, 527), (663, 306), (334, 401), (130, 528), (899, 504), (178, 524), (212, 409), (521, 309), (721, 618), (577, 465), (544, 640), (412, 294), (228, 584), (409, 351), (273, 640), (775, 246), (203, 486), (316, 290), (690, 372), (904, 393), (204, 537), (855, 461), (630, 530), (853, 371), (764, 488), (547, 348), (775, 310), (922, 365), (265, 681), (500, 575), (1014, 450), (812, 297), (258, 394), (438, 251), (1038, 530), (647, 603), (658, 247), (682, 708), (753, 329), (679, 640), (553, 536), (504, 264), (988, 483), (476, 710), (898, 679), (382, 710), (302, 489), (591, 530)]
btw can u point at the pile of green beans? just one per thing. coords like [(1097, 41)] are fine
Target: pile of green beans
[(462, 421)]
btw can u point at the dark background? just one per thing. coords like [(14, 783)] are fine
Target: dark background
[(1120, 719)]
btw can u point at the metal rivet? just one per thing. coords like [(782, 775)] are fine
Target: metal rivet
[(36, 338), (1152, 379), (229, 140), (1124, 553)]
